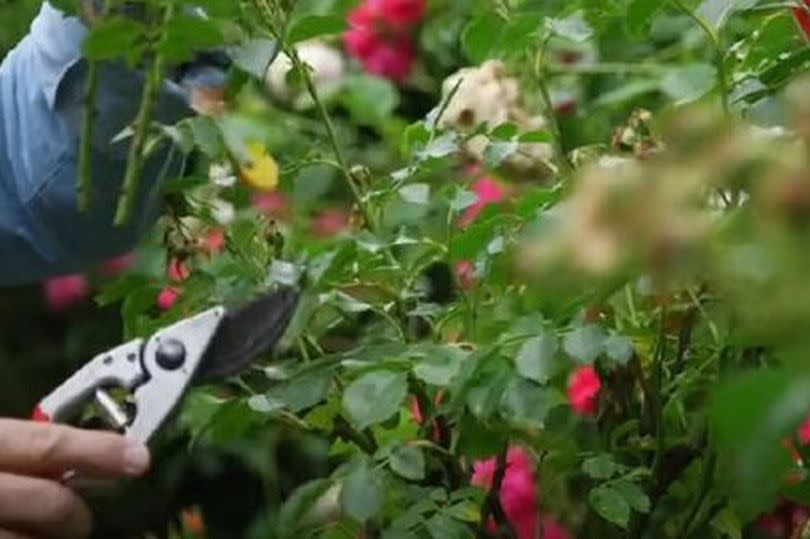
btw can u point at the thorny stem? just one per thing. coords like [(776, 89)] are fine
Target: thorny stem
[(714, 39), (267, 16), (492, 505), (540, 73), (135, 160), (344, 429)]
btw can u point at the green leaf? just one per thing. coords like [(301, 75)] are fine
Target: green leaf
[(370, 100), (610, 505), (619, 349), (537, 358), (727, 524), (527, 405), (255, 56), (481, 36), (750, 415), (497, 151), (462, 199), (573, 27), (311, 26), (716, 12), (440, 365), (442, 526), (632, 494), (362, 494), (408, 462), (306, 389), (113, 38), (415, 193), (585, 343), (688, 83), (298, 504), (374, 397), (640, 13), (601, 466), (186, 35)]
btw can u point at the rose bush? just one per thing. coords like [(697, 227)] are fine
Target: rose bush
[(553, 258)]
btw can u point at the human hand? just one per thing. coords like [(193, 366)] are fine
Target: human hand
[(32, 506)]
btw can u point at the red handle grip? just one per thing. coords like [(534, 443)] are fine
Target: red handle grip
[(39, 416)]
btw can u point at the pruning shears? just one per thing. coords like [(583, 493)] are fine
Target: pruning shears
[(155, 373)]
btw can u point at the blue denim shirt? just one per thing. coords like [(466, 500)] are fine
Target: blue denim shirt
[(42, 233)]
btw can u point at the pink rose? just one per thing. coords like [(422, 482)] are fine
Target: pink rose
[(465, 274), (116, 265), (804, 432), (488, 191), (379, 36), (272, 203), (62, 293), (398, 13), (518, 495), (167, 298), (329, 223), (583, 390), (391, 59), (215, 240), (178, 270)]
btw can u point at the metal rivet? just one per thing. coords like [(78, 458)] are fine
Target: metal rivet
[(171, 354)]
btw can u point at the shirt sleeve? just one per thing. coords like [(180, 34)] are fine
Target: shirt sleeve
[(42, 81)]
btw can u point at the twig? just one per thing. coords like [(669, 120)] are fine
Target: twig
[(343, 429), (492, 505)]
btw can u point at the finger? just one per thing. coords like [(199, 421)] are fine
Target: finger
[(6, 534), (30, 448), (42, 508)]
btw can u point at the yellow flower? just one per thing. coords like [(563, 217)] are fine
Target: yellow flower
[(262, 171)]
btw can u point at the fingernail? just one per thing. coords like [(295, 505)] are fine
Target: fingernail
[(136, 459)]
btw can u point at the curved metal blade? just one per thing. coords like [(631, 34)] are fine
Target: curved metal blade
[(246, 333)]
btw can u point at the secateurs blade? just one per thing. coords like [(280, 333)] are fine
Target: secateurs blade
[(156, 372)]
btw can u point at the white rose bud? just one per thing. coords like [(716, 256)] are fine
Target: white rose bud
[(327, 69)]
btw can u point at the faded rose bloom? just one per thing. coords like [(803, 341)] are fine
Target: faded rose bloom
[(488, 95), (583, 390), (62, 293), (518, 495)]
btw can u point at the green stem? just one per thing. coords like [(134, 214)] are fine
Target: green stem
[(84, 181), (136, 158), (606, 68), (540, 73), (714, 39), (705, 487)]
